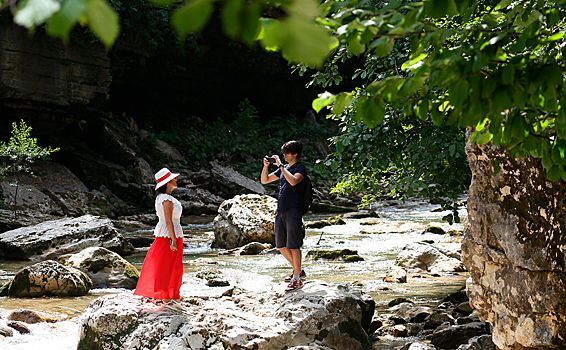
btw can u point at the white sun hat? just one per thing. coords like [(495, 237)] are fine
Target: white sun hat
[(163, 176)]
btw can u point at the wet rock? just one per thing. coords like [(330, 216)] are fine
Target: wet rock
[(244, 219), (253, 248), (139, 241), (457, 297), (47, 278), (51, 239), (452, 337), (336, 220), (473, 317), (398, 301), (370, 221), (397, 320), (214, 278), (202, 261), (434, 229), (106, 269), (197, 201), (6, 331), (229, 183), (396, 274), (318, 313), (337, 254), (18, 326), (482, 342), (418, 345), (464, 308), (418, 257), (360, 215), (317, 224), (437, 318), (399, 331), (411, 311), (31, 317)]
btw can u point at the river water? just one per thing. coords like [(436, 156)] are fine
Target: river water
[(404, 223)]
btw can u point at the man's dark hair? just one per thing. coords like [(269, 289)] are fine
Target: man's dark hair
[(293, 147)]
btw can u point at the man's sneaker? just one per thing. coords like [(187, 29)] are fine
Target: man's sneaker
[(294, 285), (290, 277)]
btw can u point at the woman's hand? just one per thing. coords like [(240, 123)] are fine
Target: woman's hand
[(173, 245)]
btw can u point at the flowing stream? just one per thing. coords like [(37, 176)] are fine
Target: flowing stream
[(404, 224)]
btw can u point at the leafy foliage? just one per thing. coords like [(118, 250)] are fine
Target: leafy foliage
[(20, 152), (242, 142), (494, 66)]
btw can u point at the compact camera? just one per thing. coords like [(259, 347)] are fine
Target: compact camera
[(270, 159)]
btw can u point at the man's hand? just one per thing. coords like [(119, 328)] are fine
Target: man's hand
[(265, 162), (277, 160)]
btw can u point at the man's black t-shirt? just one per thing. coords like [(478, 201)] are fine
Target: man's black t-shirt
[(291, 196)]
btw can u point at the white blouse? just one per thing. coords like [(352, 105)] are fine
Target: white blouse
[(161, 228)]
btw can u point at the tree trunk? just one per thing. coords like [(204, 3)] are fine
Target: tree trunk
[(514, 247)]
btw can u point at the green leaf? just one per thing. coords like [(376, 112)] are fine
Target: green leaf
[(503, 4), (61, 23), (356, 46), (323, 100), (459, 92), (36, 12), (103, 21), (371, 112), (191, 17), (163, 2), (382, 46), (508, 74), (300, 40), (343, 100), (230, 15), (553, 174)]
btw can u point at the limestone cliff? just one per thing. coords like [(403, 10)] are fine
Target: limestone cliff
[(514, 247)]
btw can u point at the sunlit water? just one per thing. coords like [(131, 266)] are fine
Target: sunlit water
[(261, 273)]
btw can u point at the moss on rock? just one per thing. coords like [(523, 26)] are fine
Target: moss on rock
[(435, 229), (337, 254)]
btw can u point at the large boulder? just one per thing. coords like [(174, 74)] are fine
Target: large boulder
[(106, 269), (196, 201), (51, 239), (320, 315), (47, 278), (228, 183), (244, 219), (514, 247), (423, 257)]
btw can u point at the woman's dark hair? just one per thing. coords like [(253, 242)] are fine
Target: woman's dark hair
[(162, 189), (293, 147)]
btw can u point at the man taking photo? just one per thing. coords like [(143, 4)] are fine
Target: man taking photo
[(289, 231)]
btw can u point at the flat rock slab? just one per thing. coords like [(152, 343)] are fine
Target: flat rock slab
[(318, 316), (51, 239)]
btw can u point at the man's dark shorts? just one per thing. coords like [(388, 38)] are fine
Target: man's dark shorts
[(289, 231)]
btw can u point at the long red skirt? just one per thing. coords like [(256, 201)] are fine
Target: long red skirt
[(162, 271)]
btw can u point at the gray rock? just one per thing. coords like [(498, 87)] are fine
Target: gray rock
[(51, 239), (47, 278), (452, 337), (419, 257), (196, 201), (319, 313), (473, 317), (244, 219), (409, 310), (418, 345), (482, 342), (437, 318), (396, 274), (513, 246), (106, 269), (231, 183), (360, 215)]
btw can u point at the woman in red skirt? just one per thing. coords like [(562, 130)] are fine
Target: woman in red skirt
[(162, 270)]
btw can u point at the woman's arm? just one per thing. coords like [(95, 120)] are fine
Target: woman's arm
[(168, 210)]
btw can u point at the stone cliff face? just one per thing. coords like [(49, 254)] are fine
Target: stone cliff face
[(515, 249)]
